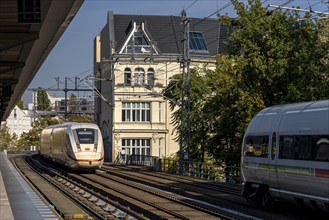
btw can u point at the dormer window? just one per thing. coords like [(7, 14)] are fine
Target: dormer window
[(197, 41), (138, 41)]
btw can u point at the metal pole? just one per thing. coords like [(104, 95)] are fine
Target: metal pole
[(65, 91), (187, 26), (183, 92)]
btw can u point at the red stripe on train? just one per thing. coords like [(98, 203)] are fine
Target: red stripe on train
[(84, 160), (322, 173)]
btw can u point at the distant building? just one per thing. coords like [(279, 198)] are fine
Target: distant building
[(135, 56), (53, 99), (76, 107), (18, 122), (81, 106)]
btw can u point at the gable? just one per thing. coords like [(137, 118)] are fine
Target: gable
[(138, 40)]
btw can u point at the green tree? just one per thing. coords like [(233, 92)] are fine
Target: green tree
[(43, 102), (324, 39), (282, 53), (228, 111), (198, 128), (31, 138), (73, 103), (274, 58), (7, 141), (28, 139)]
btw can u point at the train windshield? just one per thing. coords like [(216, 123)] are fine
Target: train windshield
[(85, 135)]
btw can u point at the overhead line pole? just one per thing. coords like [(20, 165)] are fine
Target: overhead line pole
[(65, 90), (185, 135)]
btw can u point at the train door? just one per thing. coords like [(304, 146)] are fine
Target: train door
[(273, 172), (51, 143)]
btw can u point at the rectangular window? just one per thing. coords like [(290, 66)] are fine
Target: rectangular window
[(304, 147), (85, 135), (287, 147), (197, 41), (256, 146), (133, 112), (137, 146)]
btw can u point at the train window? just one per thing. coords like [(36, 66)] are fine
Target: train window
[(256, 146), (304, 147), (321, 152), (287, 147), (86, 136)]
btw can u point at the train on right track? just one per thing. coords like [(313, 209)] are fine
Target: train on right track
[(285, 155)]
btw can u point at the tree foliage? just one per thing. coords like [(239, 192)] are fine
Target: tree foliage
[(7, 140), (31, 138), (43, 102), (281, 53), (324, 39), (274, 58), (198, 131)]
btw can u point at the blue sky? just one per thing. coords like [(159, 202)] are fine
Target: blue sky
[(73, 54)]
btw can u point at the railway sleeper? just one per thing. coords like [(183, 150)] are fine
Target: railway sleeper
[(97, 201)]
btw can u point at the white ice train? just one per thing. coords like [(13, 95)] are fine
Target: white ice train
[(285, 155), (75, 145)]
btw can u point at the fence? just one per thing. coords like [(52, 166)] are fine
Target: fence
[(227, 174)]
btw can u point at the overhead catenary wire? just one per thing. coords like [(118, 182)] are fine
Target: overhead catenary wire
[(192, 4)]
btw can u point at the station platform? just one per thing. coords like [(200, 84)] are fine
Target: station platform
[(17, 198)]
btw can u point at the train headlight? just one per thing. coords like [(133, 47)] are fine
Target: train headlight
[(95, 147), (79, 148)]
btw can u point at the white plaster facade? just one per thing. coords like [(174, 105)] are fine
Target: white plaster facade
[(18, 122), (130, 74), (153, 136)]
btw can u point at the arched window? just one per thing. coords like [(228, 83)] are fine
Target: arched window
[(150, 77), (127, 75), (139, 76)]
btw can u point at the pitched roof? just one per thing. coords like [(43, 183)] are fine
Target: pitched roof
[(167, 32)]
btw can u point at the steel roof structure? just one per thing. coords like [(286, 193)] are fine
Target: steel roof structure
[(29, 30)]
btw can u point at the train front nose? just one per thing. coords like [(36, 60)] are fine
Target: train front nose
[(89, 153), (88, 158)]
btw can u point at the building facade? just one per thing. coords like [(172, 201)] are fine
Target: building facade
[(18, 122), (134, 58)]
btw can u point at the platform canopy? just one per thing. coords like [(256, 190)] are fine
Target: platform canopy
[(29, 30)]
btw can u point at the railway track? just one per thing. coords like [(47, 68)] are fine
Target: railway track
[(172, 180), (227, 195), (54, 196), (152, 202), (118, 193), (221, 198), (73, 196)]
